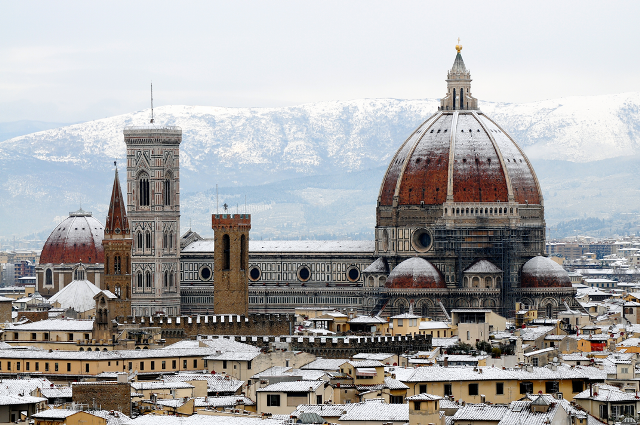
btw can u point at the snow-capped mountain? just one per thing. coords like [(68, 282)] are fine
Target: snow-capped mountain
[(322, 162)]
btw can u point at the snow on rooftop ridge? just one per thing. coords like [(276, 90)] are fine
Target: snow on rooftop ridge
[(77, 295)]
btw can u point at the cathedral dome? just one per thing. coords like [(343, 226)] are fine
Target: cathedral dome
[(415, 272), (77, 239), (543, 272), (459, 155)]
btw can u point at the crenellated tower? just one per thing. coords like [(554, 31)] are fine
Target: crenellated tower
[(231, 257)]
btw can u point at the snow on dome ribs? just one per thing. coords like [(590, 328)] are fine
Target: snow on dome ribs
[(83, 240)]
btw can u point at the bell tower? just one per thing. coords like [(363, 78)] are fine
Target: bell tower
[(115, 299), (153, 202), (230, 263)]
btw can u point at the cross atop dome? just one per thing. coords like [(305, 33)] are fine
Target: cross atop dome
[(458, 87)]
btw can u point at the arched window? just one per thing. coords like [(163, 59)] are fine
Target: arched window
[(139, 245), (165, 245), (461, 98), (424, 311), (166, 279), (78, 274), (171, 279), (118, 291), (147, 240), (166, 198), (226, 249), (549, 310), (127, 264), (148, 279), (48, 277), (488, 282), (140, 280), (117, 265), (170, 241), (454, 99), (143, 188), (243, 250)]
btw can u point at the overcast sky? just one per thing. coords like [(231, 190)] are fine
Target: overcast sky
[(76, 61)]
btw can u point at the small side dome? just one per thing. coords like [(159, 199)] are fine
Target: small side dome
[(415, 272), (542, 272), (78, 239)]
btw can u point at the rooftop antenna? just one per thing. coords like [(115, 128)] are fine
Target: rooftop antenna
[(152, 103)]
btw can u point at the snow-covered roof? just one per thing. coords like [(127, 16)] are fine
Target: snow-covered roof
[(325, 364), (365, 363), (142, 385), (77, 295), (444, 342), (377, 410), (302, 374), (241, 356), (373, 320), (440, 374), (206, 420), (55, 414), (223, 401), (365, 247), (432, 324), (373, 356), (424, 397), (483, 266), (215, 383), (378, 266), (54, 325), (607, 393), (480, 412)]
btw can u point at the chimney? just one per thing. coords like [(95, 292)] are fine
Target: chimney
[(446, 361)]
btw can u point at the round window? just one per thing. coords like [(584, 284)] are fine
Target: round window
[(205, 273), (353, 274), (421, 240), (304, 273), (254, 273)]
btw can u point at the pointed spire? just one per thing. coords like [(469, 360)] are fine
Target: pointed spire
[(117, 222)]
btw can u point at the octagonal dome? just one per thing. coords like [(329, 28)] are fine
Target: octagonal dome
[(415, 272), (543, 272), (463, 154), (77, 239), (460, 155)]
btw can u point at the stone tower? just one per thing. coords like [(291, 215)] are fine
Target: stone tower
[(115, 299), (231, 259), (153, 202), (458, 87)]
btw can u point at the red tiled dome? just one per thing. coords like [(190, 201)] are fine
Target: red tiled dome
[(77, 239), (543, 272), (415, 272), (484, 163)]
